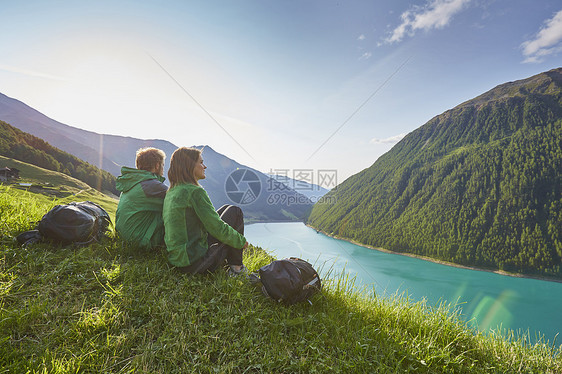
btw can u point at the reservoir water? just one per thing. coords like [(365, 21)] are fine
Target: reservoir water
[(487, 299)]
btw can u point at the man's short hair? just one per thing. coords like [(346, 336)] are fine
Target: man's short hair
[(148, 158)]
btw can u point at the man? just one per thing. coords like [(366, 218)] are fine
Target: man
[(138, 219)]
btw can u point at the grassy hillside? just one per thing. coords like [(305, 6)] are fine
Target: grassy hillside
[(25, 147), (52, 184), (110, 308), (33, 174)]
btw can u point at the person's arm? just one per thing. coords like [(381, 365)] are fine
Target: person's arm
[(212, 222)]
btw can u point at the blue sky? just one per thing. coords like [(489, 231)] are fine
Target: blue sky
[(276, 85)]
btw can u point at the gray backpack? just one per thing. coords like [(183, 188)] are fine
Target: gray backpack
[(290, 280), (75, 223)]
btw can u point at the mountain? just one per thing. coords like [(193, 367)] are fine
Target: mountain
[(478, 185), (22, 146), (110, 152)]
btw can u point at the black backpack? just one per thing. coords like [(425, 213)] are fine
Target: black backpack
[(77, 223), (290, 280)]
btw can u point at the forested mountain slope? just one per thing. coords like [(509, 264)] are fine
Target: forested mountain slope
[(477, 185)]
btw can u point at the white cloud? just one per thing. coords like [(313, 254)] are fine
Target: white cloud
[(436, 14), (391, 140), (13, 69), (547, 41), (365, 56), (361, 37)]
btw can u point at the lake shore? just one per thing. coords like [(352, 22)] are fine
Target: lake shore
[(441, 262)]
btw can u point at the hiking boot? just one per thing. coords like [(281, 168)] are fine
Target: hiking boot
[(234, 273)]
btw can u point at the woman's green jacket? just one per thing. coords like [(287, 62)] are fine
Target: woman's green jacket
[(189, 216)]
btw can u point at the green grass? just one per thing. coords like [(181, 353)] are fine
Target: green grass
[(110, 308), (55, 185)]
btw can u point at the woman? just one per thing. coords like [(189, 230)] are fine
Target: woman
[(198, 238)]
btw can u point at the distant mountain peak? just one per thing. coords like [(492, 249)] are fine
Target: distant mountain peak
[(543, 83)]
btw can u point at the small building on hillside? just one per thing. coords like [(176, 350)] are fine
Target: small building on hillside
[(9, 173)]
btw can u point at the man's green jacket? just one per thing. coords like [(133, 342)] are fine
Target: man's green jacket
[(139, 214)]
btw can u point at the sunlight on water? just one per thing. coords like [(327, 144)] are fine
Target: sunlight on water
[(491, 313)]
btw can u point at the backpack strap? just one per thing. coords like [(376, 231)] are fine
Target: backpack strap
[(30, 237)]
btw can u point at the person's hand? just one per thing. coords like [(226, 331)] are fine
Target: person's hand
[(245, 245)]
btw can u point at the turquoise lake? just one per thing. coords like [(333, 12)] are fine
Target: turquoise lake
[(487, 299)]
